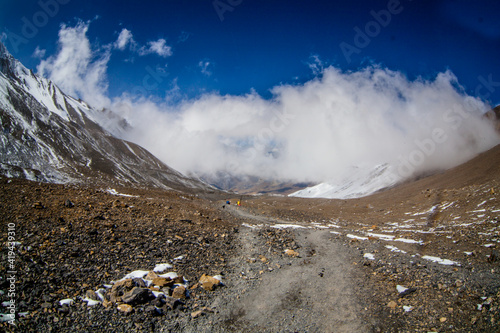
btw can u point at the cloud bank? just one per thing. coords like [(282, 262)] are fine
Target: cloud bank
[(316, 131), (319, 130)]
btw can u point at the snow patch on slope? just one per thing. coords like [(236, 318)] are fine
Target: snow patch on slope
[(355, 183)]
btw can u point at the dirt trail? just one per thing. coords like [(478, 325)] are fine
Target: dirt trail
[(319, 291)]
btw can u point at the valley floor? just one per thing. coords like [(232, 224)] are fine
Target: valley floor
[(420, 260)]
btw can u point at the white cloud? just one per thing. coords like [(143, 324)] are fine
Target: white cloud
[(158, 47), (124, 39), (39, 53), (76, 69), (319, 130), (204, 66), (316, 65)]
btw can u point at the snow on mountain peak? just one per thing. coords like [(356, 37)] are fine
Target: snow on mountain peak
[(50, 136)]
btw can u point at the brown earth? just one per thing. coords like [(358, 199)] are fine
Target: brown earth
[(344, 262)]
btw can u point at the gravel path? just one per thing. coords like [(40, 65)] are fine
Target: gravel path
[(317, 289)]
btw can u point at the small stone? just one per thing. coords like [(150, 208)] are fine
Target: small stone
[(442, 319), (38, 205), (292, 253), (90, 294), (125, 308), (162, 282), (209, 282), (151, 276), (123, 285), (206, 309), (392, 304), (68, 204), (262, 258), (407, 291), (201, 312), (179, 292), (138, 282), (106, 303), (138, 296), (196, 314)]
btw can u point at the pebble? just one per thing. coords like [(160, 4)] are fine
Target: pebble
[(209, 282), (292, 253), (138, 296), (179, 292), (125, 308)]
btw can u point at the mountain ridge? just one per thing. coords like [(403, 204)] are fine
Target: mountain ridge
[(49, 136)]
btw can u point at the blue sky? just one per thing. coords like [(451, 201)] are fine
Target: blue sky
[(236, 46)]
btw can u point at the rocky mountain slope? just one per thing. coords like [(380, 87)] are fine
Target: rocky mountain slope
[(49, 136)]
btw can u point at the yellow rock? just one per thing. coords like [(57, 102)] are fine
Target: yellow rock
[(179, 292), (151, 276), (125, 308), (209, 282), (292, 253)]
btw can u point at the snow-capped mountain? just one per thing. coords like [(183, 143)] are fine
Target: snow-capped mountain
[(359, 182), (362, 181), (49, 136)]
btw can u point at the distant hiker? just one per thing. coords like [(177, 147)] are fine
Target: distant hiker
[(238, 203), (228, 202)]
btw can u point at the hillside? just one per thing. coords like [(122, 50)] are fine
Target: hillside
[(49, 136)]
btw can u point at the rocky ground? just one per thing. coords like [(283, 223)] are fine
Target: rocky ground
[(420, 260)]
